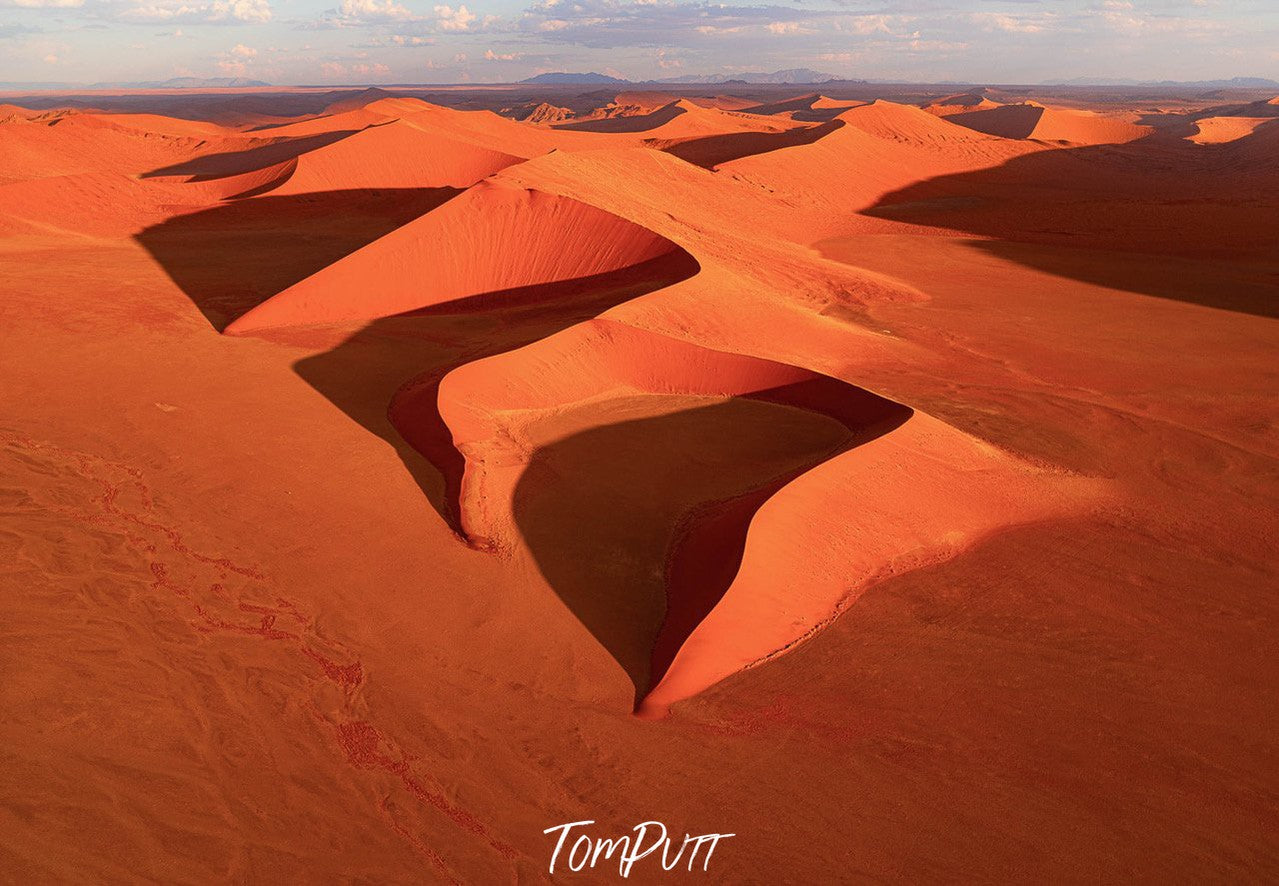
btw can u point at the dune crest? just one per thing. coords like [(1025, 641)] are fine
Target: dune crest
[(1033, 121), (923, 491), (393, 155), (494, 237)]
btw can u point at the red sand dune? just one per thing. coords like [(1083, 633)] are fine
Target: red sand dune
[(768, 607), (961, 103), (492, 238), (393, 155), (1032, 121), (879, 147), (1219, 130), (913, 457), (812, 107)]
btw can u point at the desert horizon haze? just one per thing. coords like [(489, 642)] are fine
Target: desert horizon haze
[(379, 42), (727, 480)]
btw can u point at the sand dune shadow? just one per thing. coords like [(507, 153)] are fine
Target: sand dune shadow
[(639, 524)]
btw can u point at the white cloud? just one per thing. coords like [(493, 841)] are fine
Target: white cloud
[(224, 11), (375, 10), (243, 51), (998, 21), (492, 56), (450, 19), (241, 10), (43, 4)]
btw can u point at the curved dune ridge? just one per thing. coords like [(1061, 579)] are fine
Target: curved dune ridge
[(493, 237), (1033, 121), (875, 149), (393, 155), (961, 103), (1221, 130), (48, 145), (916, 489), (813, 107)]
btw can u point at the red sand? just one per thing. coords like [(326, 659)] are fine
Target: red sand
[(907, 467)]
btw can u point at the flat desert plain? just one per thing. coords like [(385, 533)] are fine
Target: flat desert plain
[(886, 478)]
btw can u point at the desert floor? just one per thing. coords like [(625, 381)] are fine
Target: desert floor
[(886, 479)]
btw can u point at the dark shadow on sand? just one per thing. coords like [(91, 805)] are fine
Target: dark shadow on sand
[(387, 375), (1122, 216), (713, 150), (235, 255), (212, 166), (640, 526)]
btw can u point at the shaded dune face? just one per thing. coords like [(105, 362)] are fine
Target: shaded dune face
[(630, 123), (276, 240), (270, 151), (493, 238), (393, 155), (630, 465), (1059, 210), (712, 150), (1045, 124)]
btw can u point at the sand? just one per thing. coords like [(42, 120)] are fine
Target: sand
[(891, 483)]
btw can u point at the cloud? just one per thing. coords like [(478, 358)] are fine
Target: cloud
[(219, 11), (43, 4), (374, 10), (490, 55), (607, 24), (450, 19), (51, 59), (241, 10), (243, 51), (998, 21)]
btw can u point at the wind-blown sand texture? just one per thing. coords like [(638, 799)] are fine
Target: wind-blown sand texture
[(890, 483)]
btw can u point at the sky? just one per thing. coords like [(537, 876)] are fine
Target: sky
[(426, 41)]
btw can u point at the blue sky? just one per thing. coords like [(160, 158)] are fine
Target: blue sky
[(426, 41)]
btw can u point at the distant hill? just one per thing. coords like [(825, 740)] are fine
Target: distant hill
[(174, 83), (791, 75), (563, 77), (1232, 83), (185, 83)]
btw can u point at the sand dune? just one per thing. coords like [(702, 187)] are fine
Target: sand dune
[(961, 103), (393, 155), (851, 453), (1219, 130), (44, 146), (679, 119), (492, 238), (710, 631), (1031, 121), (878, 148), (813, 107)]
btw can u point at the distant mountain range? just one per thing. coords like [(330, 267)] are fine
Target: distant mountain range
[(174, 83), (1234, 82), (792, 75), (562, 77)]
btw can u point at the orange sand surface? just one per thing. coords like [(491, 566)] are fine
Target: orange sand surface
[(891, 484)]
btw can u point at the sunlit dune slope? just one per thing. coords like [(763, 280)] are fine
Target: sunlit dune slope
[(1032, 121), (879, 147), (1219, 130), (392, 155), (492, 238), (791, 582)]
